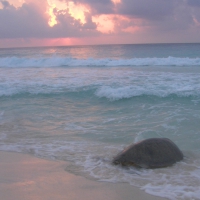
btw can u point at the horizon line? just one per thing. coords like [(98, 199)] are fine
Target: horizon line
[(81, 45)]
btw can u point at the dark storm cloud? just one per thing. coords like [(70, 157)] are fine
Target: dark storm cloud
[(28, 21)]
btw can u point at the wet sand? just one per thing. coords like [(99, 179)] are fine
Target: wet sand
[(24, 177)]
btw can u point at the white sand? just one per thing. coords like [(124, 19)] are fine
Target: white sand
[(23, 177)]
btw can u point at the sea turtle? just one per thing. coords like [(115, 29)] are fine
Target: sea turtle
[(150, 153)]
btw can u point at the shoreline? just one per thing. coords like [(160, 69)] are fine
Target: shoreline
[(26, 177)]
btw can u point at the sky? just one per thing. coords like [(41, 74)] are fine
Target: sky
[(87, 22)]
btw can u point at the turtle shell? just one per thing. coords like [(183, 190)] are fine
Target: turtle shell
[(150, 153)]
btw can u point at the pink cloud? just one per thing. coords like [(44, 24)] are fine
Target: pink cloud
[(106, 21)]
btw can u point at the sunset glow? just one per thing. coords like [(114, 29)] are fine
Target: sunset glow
[(77, 11), (52, 20), (116, 1), (197, 23), (16, 3), (60, 5), (96, 21), (104, 23)]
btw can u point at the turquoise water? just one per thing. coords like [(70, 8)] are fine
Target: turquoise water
[(84, 104)]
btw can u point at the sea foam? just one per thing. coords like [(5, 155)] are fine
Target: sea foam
[(107, 83), (180, 181)]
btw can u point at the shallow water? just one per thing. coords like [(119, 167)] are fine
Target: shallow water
[(85, 104)]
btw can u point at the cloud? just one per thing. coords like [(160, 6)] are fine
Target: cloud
[(27, 21), (89, 23), (193, 2), (67, 26), (158, 17), (31, 21), (149, 15), (133, 20), (146, 9), (98, 6), (5, 4)]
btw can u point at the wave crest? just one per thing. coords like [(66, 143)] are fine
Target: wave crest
[(68, 61), (126, 92)]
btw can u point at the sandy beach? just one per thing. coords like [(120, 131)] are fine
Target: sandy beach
[(25, 177)]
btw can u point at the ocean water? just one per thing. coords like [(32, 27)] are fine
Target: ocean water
[(84, 104)]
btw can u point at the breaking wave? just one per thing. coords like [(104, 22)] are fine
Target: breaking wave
[(68, 61), (107, 92)]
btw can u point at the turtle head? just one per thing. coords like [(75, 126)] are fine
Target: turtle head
[(116, 161)]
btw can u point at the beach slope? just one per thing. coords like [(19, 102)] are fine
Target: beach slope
[(25, 177)]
